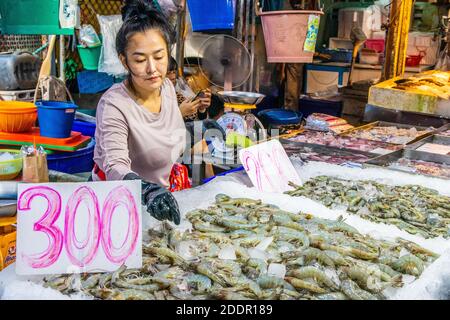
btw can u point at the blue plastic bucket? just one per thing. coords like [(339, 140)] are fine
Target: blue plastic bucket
[(211, 14), (55, 118)]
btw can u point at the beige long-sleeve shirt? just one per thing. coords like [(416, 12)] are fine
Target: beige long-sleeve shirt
[(129, 138)]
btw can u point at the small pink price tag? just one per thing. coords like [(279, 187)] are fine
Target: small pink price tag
[(269, 167)]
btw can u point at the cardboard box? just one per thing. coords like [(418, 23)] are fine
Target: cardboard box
[(7, 242)]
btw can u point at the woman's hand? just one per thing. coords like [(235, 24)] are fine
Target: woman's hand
[(205, 99), (188, 107)]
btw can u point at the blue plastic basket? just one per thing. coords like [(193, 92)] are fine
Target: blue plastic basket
[(280, 116), (211, 14), (338, 55), (73, 162), (93, 81), (241, 168), (86, 128)]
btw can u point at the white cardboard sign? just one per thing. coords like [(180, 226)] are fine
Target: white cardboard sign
[(78, 227), (269, 167)]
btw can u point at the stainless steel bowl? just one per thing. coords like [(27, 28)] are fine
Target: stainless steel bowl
[(240, 97), (8, 208)]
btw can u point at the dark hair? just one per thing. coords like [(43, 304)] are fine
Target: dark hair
[(140, 16), (173, 65), (216, 108)]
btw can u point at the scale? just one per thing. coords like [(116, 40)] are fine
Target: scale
[(226, 63)]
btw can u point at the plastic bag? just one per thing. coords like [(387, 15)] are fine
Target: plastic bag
[(109, 60), (183, 88), (35, 169), (68, 13), (325, 122), (312, 32), (88, 36), (443, 60), (168, 7)]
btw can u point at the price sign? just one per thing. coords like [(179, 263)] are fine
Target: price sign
[(269, 167), (78, 227)]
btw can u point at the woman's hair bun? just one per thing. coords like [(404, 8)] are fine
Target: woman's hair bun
[(137, 9), (139, 16)]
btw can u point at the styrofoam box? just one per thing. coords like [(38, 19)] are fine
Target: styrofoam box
[(378, 34), (369, 19), (424, 41), (340, 43), (18, 95), (318, 80), (366, 57)]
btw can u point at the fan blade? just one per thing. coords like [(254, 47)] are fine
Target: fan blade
[(225, 59)]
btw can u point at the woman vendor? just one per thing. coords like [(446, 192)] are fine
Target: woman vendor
[(140, 130)]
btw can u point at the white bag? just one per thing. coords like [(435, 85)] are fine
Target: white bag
[(109, 61), (443, 62), (88, 36), (68, 13), (183, 88)]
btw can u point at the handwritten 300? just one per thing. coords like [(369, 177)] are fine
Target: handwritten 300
[(98, 227)]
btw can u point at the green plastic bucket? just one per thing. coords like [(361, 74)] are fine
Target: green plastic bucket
[(89, 56)]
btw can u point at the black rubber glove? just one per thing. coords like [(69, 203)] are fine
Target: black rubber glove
[(193, 126), (159, 201)]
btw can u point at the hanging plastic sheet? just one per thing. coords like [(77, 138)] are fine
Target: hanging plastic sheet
[(109, 60)]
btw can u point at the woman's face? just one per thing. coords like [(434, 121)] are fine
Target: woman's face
[(172, 76), (146, 59)]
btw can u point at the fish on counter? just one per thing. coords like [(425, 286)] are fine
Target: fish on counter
[(390, 134), (436, 83), (422, 167), (415, 209), (328, 157), (241, 249), (347, 142)]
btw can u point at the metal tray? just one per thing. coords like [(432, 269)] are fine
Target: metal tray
[(433, 157), (387, 159), (389, 124), (8, 208), (240, 97), (445, 127), (284, 140), (377, 113), (291, 148)]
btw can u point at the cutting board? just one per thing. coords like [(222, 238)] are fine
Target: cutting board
[(74, 142)]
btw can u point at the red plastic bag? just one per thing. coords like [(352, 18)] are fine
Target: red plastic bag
[(179, 178)]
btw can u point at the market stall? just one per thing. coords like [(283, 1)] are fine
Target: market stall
[(292, 203), (232, 242)]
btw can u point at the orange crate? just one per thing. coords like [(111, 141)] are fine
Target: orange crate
[(7, 242)]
